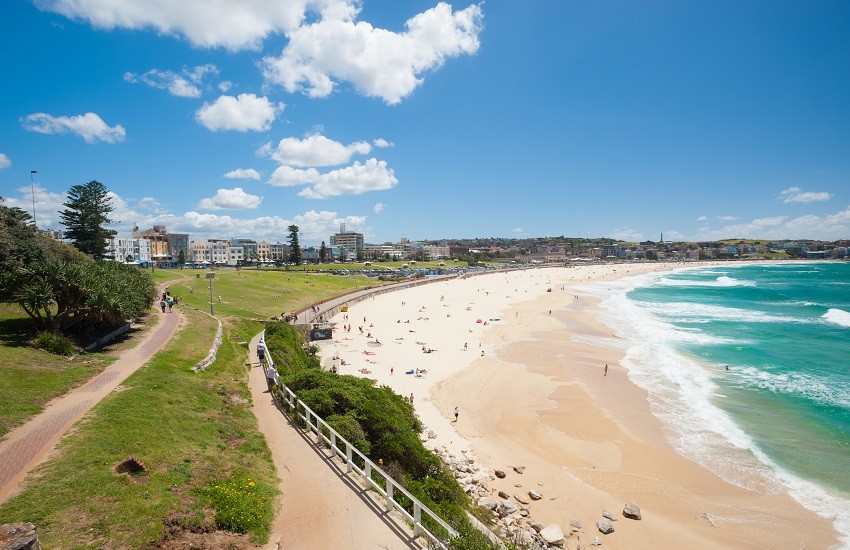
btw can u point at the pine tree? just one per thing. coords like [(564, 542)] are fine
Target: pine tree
[(294, 247), (323, 252), (85, 214)]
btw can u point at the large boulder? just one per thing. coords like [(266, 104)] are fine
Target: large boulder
[(631, 511), (503, 495), (488, 503), (521, 499), (575, 524), (534, 495), (19, 536), (605, 526), (500, 474), (552, 534), (509, 506)]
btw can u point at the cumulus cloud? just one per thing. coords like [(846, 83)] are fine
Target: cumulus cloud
[(5, 161), (243, 173), (145, 212), (89, 126), (377, 62), (233, 25), (379, 207), (230, 199), (727, 218), (287, 176), (795, 194), (517, 231), (382, 143), (183, 84), (373, 175), (314, 150), (702, 218), (242, 113), (827, 227)]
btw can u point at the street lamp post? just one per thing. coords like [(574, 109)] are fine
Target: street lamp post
[(211, 276), (32, 188)]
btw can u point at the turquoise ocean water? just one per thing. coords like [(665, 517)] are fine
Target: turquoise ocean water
[(779, 418)]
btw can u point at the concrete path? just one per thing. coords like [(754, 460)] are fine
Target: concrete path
[(29, 445), (321, 507)]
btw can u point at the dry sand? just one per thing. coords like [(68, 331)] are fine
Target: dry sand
[(529, 395)]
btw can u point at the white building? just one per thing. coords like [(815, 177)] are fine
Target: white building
[(128, 250)]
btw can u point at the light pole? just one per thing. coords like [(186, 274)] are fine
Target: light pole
[(211, 276), (32, 188)]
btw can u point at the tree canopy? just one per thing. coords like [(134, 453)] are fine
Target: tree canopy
[(84, 217), (294, 247)]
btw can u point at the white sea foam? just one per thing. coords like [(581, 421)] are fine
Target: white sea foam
[(704, 313), (723, 281), (681, 392), (814, 388), (837, 317)]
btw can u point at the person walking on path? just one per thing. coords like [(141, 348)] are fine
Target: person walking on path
[(457, 412)]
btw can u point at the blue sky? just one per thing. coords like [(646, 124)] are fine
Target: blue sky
[(701, 120)]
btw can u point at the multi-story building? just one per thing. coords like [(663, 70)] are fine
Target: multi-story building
[(264, 251), (165, 247), (250, 249), (279, 252), (128, 250), (435, 251), (235, 255), (350, 241)]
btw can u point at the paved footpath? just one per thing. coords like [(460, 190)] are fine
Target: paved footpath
[(321, 507), (29, 445)]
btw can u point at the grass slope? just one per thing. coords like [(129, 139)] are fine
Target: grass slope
[(191, 431), (32, 377)]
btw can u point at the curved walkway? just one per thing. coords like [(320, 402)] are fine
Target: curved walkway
[(321, 507), (29, 445)]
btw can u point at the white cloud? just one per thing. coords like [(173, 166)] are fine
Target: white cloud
[(517, 230), (795, 194), (243, 173), (314, 150), (233, 25), (828, 227), (146, 212), (727, 218), (230, 199), (286, 176), (183, 84), (382, 143), (5, 161), (242, 113), (672, 236), (225, 85), (627, 235), (89, 126), (378, 62), (379, 207), (373, 175), (702, 218)]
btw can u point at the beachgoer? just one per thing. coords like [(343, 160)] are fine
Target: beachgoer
[(391, 371), (464, 346), (162, 304), (727, 367), (457, 412), (605, 371), (270, 374), (411, 399)]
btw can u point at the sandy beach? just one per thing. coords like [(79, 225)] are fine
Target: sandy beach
[(522, 355)]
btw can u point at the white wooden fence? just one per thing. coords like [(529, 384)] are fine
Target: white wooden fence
[(339, 447)]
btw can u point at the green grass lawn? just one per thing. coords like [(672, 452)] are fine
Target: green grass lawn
[(252, 293), (32, 377), (190, 431)]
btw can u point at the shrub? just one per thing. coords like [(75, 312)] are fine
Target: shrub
[(241, 505), (54, 343)]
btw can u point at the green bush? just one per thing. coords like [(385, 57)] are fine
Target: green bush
[(54, 343), (241, 505)]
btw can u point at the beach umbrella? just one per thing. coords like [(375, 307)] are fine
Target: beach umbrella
[(479, 321)]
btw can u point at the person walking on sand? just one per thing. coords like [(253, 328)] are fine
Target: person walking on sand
[(605, 371), (457, 412)]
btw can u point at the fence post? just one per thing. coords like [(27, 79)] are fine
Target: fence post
[(348, 461), (389, 493), (333, 445), (417, 519)]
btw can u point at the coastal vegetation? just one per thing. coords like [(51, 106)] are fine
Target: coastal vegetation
[(380, 423)]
